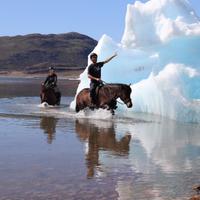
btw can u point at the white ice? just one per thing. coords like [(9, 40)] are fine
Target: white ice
[(159, 56)]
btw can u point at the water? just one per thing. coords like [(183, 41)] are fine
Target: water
[(54, 153)]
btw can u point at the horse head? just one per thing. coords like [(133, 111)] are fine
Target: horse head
[(125, 95)]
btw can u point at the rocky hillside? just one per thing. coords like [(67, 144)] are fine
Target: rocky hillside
[(34, 53)]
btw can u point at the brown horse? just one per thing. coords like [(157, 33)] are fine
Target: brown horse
[(49, 95), (106, 97)]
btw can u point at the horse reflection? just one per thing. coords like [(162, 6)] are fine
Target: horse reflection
[(48, 124), (100, 137)]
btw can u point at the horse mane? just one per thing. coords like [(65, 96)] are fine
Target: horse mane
[(112, 85), (115, 84)]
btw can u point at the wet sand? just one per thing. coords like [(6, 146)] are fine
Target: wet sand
[(30, 86), (69, 74)]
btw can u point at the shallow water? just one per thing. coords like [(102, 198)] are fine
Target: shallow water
[(54, 153)]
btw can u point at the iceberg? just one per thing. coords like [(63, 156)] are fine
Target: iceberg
[(159, 56)]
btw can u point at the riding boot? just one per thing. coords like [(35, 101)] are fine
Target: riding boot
[(93, 95), (93, 101)]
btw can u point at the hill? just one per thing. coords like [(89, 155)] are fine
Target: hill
[(34, 53)]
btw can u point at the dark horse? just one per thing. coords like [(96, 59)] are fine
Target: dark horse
[(106, 97), (49, 95)]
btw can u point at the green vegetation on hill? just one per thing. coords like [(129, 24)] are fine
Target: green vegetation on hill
[(34, 53)]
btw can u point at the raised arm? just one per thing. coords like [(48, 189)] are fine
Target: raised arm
[(109, 59)]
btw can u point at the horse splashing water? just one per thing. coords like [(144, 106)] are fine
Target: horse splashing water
[(106, 97), (49, 95)]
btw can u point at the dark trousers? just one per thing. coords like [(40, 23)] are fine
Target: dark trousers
[(93, 94)]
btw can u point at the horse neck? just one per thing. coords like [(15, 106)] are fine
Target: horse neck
[(116, 90)]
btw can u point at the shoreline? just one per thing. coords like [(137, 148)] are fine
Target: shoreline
[(70, 75)]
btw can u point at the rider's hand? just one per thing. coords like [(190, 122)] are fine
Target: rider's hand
[(115, 54), (100, 81)]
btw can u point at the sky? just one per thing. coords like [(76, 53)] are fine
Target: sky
[(92, 18)]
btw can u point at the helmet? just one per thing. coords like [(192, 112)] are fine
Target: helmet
[(93, 54)]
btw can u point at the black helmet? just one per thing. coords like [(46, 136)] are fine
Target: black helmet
[(93, 54), (51, 68)]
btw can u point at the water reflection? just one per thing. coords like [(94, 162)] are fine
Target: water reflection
[(167, 154), (48, 124), (100, 137), (172, 146)]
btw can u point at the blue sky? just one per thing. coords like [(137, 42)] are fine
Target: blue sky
[(93, 18)]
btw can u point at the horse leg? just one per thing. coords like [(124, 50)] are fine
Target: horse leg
[(58, 97), (80, 106), (113, 104), (112, 111), (77, 108), (42, 97), (109, 106), (92, 106), (105, 106)]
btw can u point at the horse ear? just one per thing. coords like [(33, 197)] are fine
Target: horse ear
[(129, 84)]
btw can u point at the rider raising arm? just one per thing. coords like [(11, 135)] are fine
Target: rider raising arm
[(109, 59), (96, 65), (94, 74)]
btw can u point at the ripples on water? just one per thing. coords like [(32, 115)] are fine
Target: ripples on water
[(54, 153)]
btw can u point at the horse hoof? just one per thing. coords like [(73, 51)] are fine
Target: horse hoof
[(92, 107), (113, 112)]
